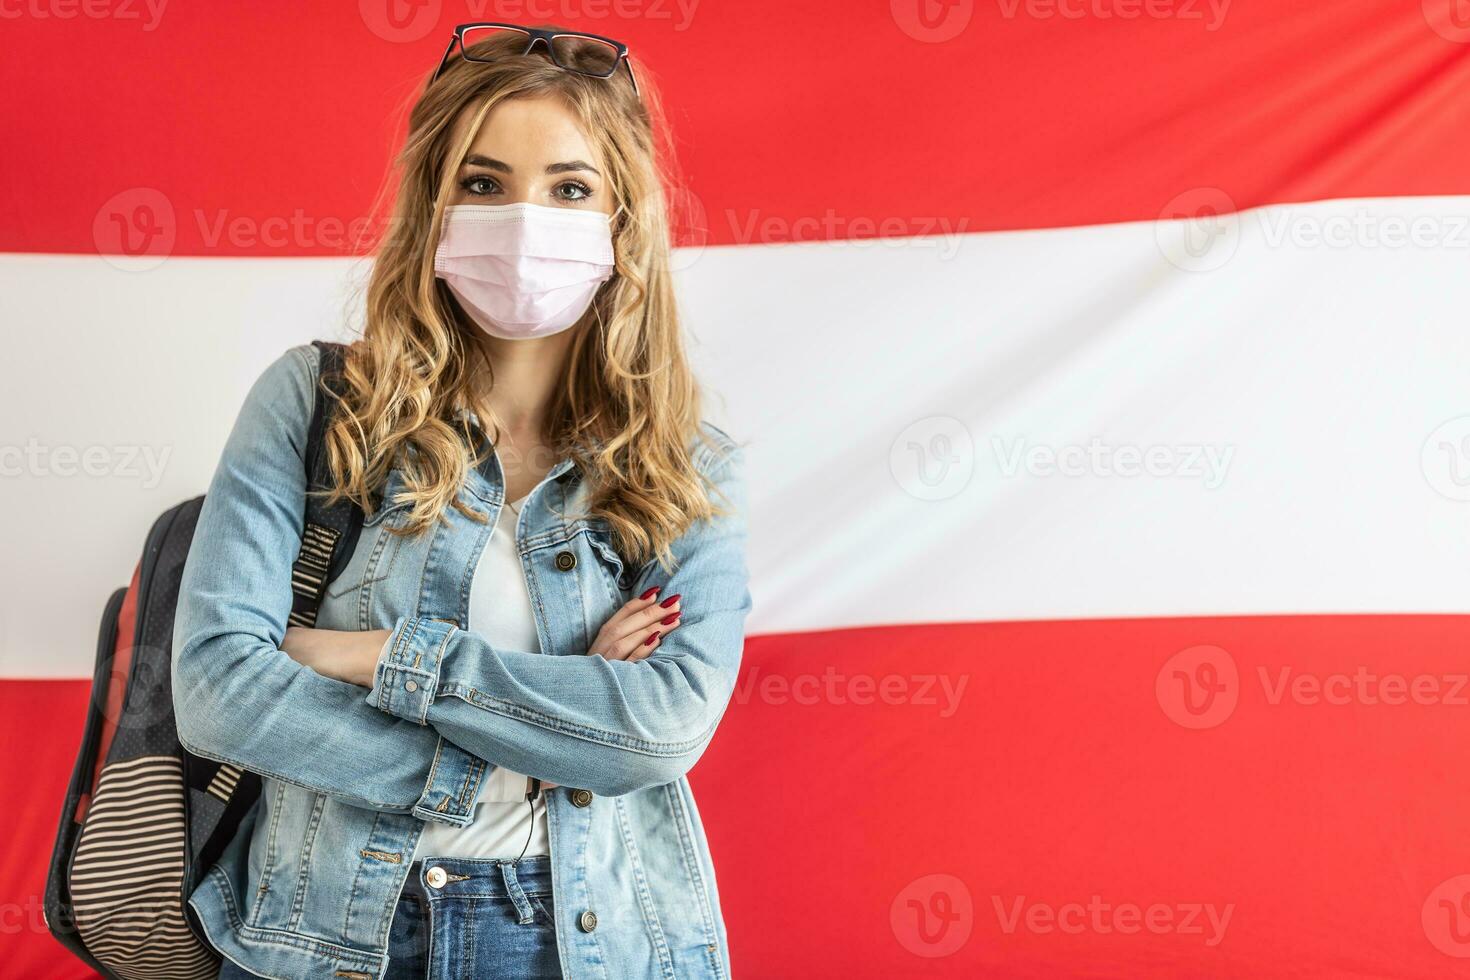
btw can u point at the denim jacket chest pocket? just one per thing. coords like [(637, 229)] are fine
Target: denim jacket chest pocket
[(617, 575), (577, 581)]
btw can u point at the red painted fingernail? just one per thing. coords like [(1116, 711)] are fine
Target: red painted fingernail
[(649, 642), (670, 600), (668, 619), (650, 593)]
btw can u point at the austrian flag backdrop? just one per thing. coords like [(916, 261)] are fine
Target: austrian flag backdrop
[(1105, 375)]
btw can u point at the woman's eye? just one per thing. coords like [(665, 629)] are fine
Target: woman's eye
[(479, 185), (573, 190)]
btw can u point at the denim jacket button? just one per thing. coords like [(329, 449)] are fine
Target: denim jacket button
[(566, 561), (411, 686), (581, 797), (436, 877), (587, 921)]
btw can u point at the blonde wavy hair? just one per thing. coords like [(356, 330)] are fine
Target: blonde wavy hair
[(628, 408)]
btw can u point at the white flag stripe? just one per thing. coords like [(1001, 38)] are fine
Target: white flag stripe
[(1088, 422)]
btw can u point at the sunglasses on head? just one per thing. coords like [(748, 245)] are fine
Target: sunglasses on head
[(585, 54)]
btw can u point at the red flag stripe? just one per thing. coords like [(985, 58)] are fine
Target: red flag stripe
[(264, 129), (1298, 778)]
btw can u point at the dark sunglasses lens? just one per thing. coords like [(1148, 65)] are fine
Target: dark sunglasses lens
[(584, 54), (489, 43)]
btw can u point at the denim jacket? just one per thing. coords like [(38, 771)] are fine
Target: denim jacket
[(309, 885)]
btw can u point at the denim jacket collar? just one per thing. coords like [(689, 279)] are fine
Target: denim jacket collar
[(482, 475)]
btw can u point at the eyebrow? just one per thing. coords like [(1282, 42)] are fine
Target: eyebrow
[(490, 163)]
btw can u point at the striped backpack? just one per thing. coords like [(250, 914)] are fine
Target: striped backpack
[(144, 819)]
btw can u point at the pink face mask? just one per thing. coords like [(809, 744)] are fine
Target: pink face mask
[(524, 270)]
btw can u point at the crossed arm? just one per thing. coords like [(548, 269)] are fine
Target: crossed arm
[(609, 725)]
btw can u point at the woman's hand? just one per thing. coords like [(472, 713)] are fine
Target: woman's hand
[(636, 630), (343, 655)]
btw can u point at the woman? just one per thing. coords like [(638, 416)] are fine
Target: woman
[(548, 596)]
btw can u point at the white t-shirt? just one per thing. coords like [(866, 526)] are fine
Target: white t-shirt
[(500, 611)]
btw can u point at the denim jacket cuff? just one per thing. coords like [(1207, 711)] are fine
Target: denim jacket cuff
[(407, 675)]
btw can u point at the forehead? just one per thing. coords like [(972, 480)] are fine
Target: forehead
[(529, 130)]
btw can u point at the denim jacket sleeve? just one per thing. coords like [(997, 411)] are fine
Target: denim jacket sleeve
[(238, 698), (610, 726)]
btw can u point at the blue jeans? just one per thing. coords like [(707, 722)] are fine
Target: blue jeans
[(460, 917)]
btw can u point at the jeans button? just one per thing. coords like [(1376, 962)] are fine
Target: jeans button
[(436, 877), (587, 921), (566, 561), (411, 686), (581, 797)]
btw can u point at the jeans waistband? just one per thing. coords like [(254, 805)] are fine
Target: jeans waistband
[(433, 877)]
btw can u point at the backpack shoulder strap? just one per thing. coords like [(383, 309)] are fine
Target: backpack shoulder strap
[(330, 532)]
